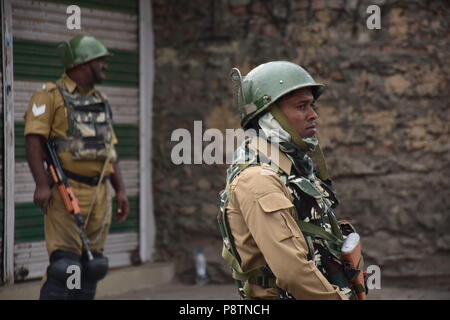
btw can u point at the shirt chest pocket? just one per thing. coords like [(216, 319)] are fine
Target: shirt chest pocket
[(280, 209)]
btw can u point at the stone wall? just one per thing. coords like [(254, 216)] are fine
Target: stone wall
[(385, 119)]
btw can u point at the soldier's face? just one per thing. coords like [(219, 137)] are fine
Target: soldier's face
[(299, 109), (98, 68)]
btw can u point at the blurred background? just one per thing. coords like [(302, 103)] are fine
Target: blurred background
[(384, 121)]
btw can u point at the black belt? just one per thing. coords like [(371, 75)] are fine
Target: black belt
[(92, 181)]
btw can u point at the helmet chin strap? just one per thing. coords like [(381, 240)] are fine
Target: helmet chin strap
[(316, 153)]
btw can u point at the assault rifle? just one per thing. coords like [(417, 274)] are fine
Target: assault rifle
[(351, 255), (66, 192)]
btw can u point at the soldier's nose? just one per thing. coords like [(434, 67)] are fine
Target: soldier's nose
[(312, 114)]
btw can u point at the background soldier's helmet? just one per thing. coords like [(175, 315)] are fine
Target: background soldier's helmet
[(82, 49), (266, 83)]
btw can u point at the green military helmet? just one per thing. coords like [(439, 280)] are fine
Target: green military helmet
[(81, 49), (268, 82)]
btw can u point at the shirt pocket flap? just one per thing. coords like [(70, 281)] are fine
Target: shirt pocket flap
[(273, 202)]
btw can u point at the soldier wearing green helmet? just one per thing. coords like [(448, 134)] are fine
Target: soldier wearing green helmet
[(268, 82), (78, 118), (281, 237), (82, 49)]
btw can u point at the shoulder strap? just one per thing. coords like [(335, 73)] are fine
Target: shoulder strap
[(317, 231), (68, 105), (106, 104)]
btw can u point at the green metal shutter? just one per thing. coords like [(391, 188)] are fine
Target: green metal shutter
[(38, 26)]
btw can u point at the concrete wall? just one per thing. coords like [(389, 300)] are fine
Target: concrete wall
[(384, 117)]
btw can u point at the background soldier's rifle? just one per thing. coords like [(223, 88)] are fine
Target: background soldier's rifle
[(66, 192)]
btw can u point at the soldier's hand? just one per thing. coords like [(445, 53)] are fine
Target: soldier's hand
[(122, 207), (42, 197)]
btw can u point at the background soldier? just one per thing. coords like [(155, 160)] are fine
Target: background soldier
[(280, 236), (79, 119)]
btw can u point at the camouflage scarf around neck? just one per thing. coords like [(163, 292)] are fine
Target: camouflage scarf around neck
[(305, 153)]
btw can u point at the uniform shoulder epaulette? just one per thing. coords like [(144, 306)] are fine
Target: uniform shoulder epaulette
[(49, 86)]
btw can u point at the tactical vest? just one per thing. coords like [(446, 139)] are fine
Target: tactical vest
[(324, 234), (90, 132)]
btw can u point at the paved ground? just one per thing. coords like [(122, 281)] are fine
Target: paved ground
[(178, 291)]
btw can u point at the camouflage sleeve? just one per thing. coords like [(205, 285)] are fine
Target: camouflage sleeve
[(268, 212), (40, 114)]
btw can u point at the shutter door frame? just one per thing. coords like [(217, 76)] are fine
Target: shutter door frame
[(9, 142), (1, 148), (147, 230)]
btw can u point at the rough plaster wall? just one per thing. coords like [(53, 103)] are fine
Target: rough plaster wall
[(384, 117)]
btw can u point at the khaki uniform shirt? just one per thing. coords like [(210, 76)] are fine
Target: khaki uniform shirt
[(47, 116), (261, 217)]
